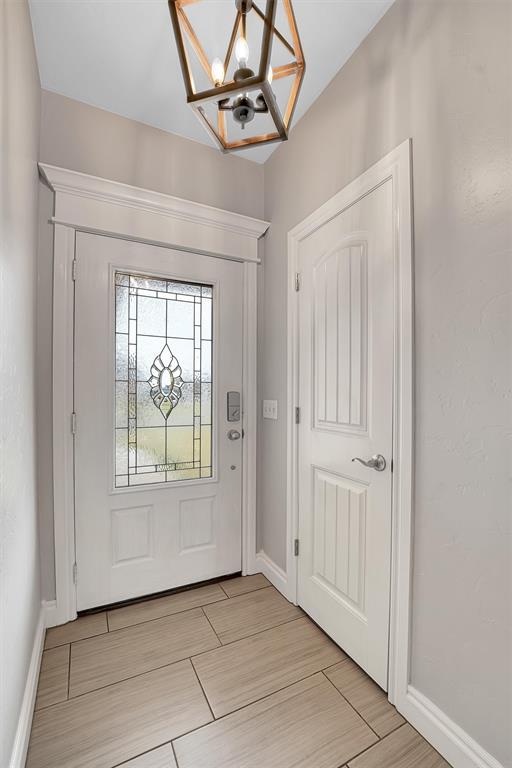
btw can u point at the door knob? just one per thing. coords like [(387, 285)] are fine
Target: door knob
[(234, 434), (377, 462)]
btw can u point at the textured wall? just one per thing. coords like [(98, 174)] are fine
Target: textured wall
[(19, 561), (90, 140), (438, 72), (84, 138)]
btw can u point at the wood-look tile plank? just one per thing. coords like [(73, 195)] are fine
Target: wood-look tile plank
[(164, 606), (118, 655), (86, 626), (403, 748), (307, 724), (365, 696), (238, 674), (105, 728), (53, 677), (247, 614), (243, 584), (157, 758)]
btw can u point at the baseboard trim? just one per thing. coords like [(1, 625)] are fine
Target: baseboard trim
[(454, 744), (20, 747), (50, 612), (273, 572), (450, 740)]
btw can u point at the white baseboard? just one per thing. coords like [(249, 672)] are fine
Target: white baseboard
[(454, 744), (50, 611), (450, 740), (273, 572), (20, 747)]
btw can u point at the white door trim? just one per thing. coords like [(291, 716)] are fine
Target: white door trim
[(397, 167), (91, 204)]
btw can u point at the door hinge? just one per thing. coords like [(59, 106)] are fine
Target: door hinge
[(297, 415), (75, 573), (73, 269), (296, 547), (297, 281), (73, 423)]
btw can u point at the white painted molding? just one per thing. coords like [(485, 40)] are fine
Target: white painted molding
[(275, 574), (457, 746), (250, 416), (22, 737), (396, 165), (459, 749), (63, 404), (50, 612), (97, 205)]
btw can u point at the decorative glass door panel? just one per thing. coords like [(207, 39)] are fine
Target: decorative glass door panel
[(163, 365), (157, 500)]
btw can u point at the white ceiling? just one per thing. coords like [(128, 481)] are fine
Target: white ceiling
[(120, 55)]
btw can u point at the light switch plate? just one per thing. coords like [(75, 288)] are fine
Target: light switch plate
[(270, 409)]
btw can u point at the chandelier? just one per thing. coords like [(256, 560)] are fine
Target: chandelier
[(245, 91)]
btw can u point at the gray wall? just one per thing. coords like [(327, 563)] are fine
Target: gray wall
[(83, 138), (438, 72), (19, 561)]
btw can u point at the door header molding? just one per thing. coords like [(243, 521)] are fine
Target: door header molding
[(101, 206), (98, 206)]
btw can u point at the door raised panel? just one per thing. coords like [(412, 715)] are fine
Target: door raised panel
[(132, 537), (197, 523), (339, 515), (340, 339), (156, 351), (345, 393)]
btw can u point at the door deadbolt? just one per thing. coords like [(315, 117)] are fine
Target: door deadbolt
[(233, 406)]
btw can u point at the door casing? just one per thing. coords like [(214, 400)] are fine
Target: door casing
[(395, 166), (99, 206)]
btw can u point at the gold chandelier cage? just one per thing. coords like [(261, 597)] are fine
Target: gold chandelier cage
[(228, 88)]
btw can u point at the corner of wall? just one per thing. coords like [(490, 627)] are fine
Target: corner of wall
[(265, 565), (455, 744), (21, 619)]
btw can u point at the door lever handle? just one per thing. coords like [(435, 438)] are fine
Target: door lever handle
[(377, 462)]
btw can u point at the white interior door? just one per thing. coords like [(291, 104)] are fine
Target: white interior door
[(158, 347), (346, 398)]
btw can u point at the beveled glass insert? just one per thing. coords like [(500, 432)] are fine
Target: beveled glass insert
[(163, 369)]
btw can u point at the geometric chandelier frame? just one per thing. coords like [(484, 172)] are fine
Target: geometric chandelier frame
[(247, 93)]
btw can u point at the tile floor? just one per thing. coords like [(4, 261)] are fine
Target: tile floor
[(228, 675)]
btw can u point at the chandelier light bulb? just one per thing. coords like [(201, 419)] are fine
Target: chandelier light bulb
[(217, 71), (242, 51)]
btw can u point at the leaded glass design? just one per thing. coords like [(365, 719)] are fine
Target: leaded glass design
[(163, 359)]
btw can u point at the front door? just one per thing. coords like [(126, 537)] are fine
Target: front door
[(158, 448), (345, 432)]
